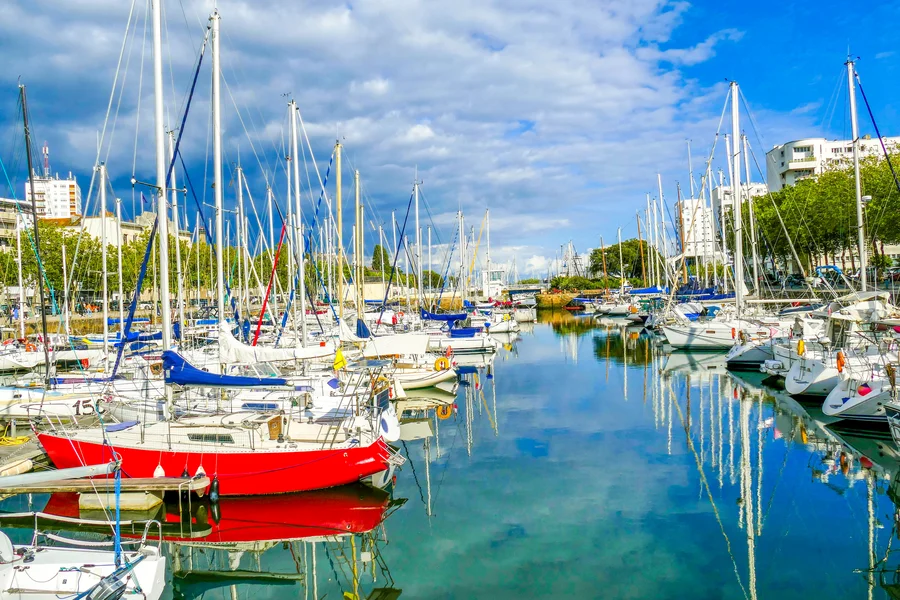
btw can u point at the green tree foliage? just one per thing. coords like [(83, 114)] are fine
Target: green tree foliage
[(381, 260), (529, 281), (819, 216), (631, 257)]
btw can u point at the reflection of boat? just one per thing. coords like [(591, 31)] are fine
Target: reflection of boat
[(241, 520), (694, 361)]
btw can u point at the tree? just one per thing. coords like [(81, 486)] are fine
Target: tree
[(381, 260)]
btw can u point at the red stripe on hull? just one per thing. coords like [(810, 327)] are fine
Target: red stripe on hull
[(239, 473)]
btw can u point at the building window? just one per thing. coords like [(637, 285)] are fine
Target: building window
[(802, 149)]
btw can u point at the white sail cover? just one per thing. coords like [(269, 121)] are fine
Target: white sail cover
[(234, 351), (404, 344)]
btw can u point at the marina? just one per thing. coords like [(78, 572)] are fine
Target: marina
[(308, 330)]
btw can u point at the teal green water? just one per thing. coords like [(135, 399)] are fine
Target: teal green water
[(588, 463)]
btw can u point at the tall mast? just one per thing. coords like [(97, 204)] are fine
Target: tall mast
[(603, 256), (298, 216), (662, 212), (162, 213), (418, 255), (690, 168), (396, 248), (20, 223), (462, 258), (339, 274), (753, 241), (179, 280), (381, 258), (860, 223), (104, 259), (37, 240), (358, 276), (217, 172), (241, 243), (430, 266), (736, 200), (487, 255), (119, 257), (641, 248), (680, 203), (621, 264), (651, 245)]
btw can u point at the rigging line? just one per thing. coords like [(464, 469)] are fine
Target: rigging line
[(887, 155), (396, 258), (129, 39), (243, 125)]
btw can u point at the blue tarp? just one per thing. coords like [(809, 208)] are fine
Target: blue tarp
[(180, 372), (446, 317), (113, 321)]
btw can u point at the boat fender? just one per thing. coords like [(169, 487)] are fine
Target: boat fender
[(506, 317), (216, 512), (401, 314), (214, 491), (185, 474), (444, 412), (841, 361), (732, 333), (449, 352), (442, 364), (801, 347), (159, 472), (30, 347)]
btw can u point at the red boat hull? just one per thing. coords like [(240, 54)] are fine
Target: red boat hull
[(239, 473)]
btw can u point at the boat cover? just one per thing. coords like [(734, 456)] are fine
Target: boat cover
[(449, 317), (180, 372)]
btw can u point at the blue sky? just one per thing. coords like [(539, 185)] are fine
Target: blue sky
[(557, 116)]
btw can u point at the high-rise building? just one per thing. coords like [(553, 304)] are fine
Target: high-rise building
[(696, 226), (55, 198), (788, 163)]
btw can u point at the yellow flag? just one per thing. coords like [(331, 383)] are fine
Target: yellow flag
[(339, 361)]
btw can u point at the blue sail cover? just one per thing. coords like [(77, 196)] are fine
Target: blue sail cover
[(180, 372), (362, 330), (649, 290), (464, 332), (447, 317)]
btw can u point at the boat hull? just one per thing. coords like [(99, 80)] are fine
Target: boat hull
[(699, 337), (810, 378), (238, 473)]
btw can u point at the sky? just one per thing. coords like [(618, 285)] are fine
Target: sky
[(556, 116)]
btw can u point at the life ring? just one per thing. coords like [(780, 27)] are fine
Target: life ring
[(633, 309), (801, 347), (444, 412), (156, 368), (442, 364), (841, 361), (401, 314), (29, 347)]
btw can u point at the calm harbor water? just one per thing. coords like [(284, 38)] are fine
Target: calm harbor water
[(586, 462)]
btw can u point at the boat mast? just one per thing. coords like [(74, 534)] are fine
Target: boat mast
[(104, 258), (621, 265), (753, 240), (381, 258), (217, 175), (119, 257), (430, 266), (680, 203), (662, 212), (603, 256), (358, 276), (298, 220), (179, 280), (339, 275), (860, 223), (418, 264), (162, 213), (37, 239), (736, 201), (462, 258), (487, 216), (651, 247), (20, 223), (396, 248), (637, 215)]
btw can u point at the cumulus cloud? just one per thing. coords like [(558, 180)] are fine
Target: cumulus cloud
[(555, 115)]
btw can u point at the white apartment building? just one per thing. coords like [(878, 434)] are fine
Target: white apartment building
[(55, 198), (789, 163), (721, 195), (697, 227)]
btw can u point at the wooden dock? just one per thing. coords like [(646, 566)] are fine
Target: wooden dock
[(156, 485)]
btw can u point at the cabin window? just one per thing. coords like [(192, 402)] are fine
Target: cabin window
[(211, 438)]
